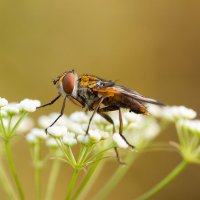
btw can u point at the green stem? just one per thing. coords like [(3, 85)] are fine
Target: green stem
[(37, 168), (53, 179), (168, 179), (115, 178), (17, 124), (13, 170), (89, 180), (3, 127), (72, 183), (5, 184)]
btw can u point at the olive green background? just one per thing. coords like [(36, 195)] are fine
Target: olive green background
[(151, 46)]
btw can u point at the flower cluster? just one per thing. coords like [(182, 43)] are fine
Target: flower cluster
[(12, 117), (189, 137)]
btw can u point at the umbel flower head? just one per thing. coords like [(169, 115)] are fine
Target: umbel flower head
[(13, 117), (70, 131), (189, 140)]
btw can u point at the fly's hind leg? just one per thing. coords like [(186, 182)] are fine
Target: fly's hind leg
[(109, 119), (94, 112), (121, 129)]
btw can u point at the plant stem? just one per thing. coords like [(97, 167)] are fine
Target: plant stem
[(13, 170), (72, 183), (37, 168), (17, 124), (3, 127), (5, 183), (52, 179), (168, 179), (88, 180), (115, 178)]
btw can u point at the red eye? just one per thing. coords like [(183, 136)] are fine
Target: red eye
[(68, 82)]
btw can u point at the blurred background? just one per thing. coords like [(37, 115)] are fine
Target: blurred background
[(149, 46)]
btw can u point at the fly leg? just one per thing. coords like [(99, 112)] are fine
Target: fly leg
[(109, 119), (94, 112), (121, 129), (51, 102), (61, 113)]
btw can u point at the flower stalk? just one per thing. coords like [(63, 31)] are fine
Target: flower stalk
[(13, 170), (53, 179)]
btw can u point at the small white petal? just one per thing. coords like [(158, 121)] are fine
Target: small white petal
[(132, 117), (79, 117), (68, 140), (99, 119), (95, 135), (74, 127), (39, 133), (3, 102), (152, 131), (191, 125), (29, 105), (31, 138), (156, 111), (62, 120), (104, 135), (83, 139), (25, 125), (51, 142), (44, 121), (119, 141), (57, 131), (3, 113), (11, 108)]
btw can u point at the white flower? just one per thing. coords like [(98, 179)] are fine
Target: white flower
[(156, 111), (172, 113), (44, 121), (74, 127), (29, 105), (51, 142), (191, 125), (79, 117), (151, 131), (57, 131), (119, 141), (83, 139), (95, 135), (11, 108), (132, 117), (31, 138), (115, 118), (3, 113), (62, 120), (69, 140), (179, 112), (3, 102), (25, 125), (39, 133), (98, 119), (104, 135)]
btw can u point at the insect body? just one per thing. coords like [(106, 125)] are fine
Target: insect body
[(100, 96)]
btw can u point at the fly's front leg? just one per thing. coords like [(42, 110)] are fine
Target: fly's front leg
[(51, 102), (61, 113), (95, 110), (121, 129)]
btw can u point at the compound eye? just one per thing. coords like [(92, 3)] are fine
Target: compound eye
[(68, 82)]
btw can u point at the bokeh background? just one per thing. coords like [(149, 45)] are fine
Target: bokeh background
[(150, 46)]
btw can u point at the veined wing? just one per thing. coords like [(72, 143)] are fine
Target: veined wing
[(111, 91)]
